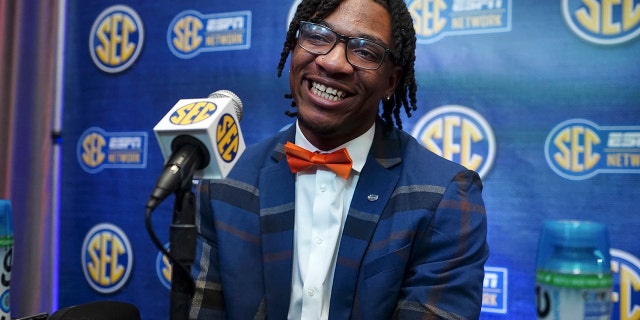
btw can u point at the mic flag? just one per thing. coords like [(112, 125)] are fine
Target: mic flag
[(214, 122), (199, 139)]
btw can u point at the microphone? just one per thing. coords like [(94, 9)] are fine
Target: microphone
[(199, 139), (97, 310)]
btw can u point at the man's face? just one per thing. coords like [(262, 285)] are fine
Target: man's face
[(336, 101)]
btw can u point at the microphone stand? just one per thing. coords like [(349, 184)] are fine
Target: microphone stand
[(182, 238)]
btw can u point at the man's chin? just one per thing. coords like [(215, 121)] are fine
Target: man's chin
[(318, 126)]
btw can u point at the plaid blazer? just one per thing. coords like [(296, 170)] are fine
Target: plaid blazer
[(413, 246)]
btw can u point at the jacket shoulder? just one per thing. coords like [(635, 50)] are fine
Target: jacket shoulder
[(258, 156), (419, 161)]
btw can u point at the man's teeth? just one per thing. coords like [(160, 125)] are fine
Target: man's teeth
[(326, 92)]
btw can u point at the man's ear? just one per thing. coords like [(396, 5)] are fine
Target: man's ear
[(394, 79)]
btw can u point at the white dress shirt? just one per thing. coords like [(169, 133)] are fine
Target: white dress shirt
[(322, 202)]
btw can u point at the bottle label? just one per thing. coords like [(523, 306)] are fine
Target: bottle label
[(6, 257), (573, 296)]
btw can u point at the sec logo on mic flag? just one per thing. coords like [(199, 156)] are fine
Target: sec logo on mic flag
[(228, 139), (193, 113)]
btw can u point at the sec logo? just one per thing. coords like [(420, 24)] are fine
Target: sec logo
[(601, 21), (227, 138), (459, 134), (107, 258), (193, 113), (116, 39)]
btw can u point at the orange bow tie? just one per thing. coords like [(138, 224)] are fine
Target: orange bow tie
[(300, 159)]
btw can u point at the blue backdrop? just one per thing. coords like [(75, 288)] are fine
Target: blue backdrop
[(541, 97)]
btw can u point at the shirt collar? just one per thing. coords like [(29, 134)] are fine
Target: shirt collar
[(358, 148)]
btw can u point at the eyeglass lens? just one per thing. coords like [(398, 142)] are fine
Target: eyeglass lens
[(362, 53)]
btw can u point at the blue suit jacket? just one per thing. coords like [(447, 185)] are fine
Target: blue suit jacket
[(413, 245)]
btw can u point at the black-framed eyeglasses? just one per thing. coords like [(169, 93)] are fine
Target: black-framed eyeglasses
[(360, 52)]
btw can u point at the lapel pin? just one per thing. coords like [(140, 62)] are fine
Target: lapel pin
[(372, 197)]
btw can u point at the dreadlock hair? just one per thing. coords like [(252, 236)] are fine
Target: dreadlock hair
[(402, 51)]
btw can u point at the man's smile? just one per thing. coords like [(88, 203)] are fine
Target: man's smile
[(326, 92)]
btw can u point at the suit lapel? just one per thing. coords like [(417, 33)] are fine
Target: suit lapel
[(277, 193), (374, 189)]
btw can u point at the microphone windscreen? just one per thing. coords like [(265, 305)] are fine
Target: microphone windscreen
[(237, 103), (99, 310)]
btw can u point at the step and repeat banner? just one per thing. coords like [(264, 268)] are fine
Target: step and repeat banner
[(542, 98)]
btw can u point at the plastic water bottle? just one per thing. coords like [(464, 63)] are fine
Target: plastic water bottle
[(6, 253), (573, 275)]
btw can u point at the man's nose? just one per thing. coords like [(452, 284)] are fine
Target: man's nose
[(335, 60)]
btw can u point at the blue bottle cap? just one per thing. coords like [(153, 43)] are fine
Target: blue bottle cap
[(573, 235), (6, 220)]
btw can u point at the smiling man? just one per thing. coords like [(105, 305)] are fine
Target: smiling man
[(344, 215)]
